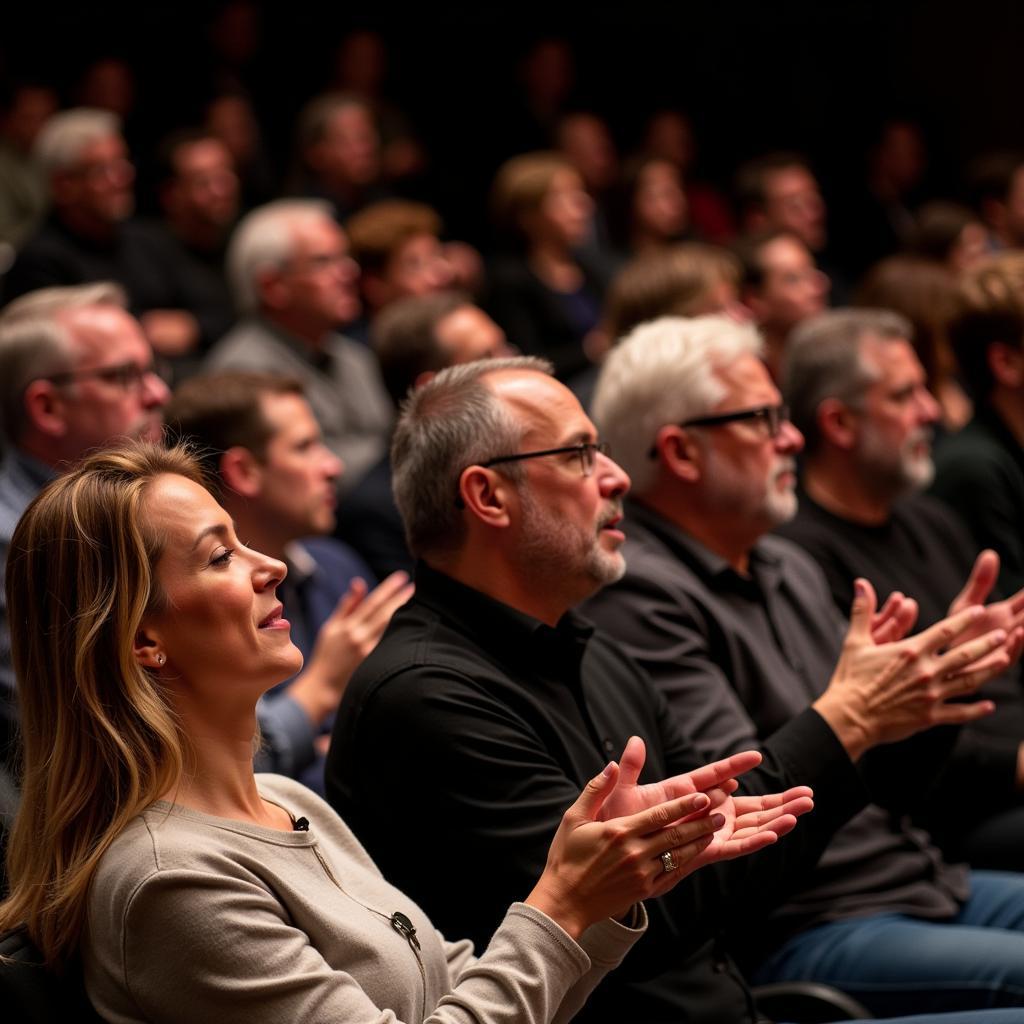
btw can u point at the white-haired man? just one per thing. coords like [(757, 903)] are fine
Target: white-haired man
[(295, 284), (740, 635), (88, 235)]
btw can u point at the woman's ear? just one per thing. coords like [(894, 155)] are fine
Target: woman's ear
[(148, 650)]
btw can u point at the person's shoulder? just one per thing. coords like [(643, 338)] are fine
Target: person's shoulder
[(341, 561), (246, 346)]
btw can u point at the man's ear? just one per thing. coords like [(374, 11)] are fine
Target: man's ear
[(272, 288), (485, 494), (44, 408), (837, 423), (148, 649), (677, 450), (1006, 364), (241, 472)]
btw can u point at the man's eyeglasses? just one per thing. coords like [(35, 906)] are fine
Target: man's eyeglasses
[(769, 417), (586, 450), (126, 376)]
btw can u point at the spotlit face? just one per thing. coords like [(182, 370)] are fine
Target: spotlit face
[(222, 628), (749, 478), (896, 419), (568, 532)]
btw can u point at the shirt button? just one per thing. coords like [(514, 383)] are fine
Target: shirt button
[(608, 746)]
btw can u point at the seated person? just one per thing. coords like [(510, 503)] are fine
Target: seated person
[(276, 478), (546, 298), (398, 247), (296, 286), (145, 844), (980, 471), (413, 339)]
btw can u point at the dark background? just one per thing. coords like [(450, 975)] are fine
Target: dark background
[(814, 76)]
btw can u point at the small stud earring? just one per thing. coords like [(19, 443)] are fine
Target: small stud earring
[(160, 659)]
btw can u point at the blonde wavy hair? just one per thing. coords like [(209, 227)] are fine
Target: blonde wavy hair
[(100, 740)]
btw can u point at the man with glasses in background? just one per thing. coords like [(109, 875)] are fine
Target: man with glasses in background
[(76, 373), (738, 631)]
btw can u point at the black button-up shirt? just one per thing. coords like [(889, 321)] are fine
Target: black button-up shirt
[(740, 658), (472, 727)]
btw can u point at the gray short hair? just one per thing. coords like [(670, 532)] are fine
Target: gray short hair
[(823, 360), (265, 238), (453, 421), (664, 372), (61, 140), (34, 343)]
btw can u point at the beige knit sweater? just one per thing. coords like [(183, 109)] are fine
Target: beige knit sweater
[(200, 919)]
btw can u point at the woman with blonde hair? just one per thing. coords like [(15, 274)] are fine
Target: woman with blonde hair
[(143, 633)]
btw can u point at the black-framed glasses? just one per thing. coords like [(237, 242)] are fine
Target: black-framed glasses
[(127, 376), (769, 417), (586, 450)]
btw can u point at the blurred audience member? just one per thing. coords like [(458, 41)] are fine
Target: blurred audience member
[(76, 373), (782, 286), (88, 236), (585, 140), (547, 80), (543, 295), (778, 192), (951, 234), (295, 285), (669, 136), (925, 292), (361, 67), (198, 192), (980, 471), (398, 247), (339, 153), (878, 219), (413, 338), (655, 212), (996, 181), (230, 118), (276, 479), (690, 279), (24, 110), (857, 392)]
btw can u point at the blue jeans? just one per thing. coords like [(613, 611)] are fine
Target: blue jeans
[(896, 964)]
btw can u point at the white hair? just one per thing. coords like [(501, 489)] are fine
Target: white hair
[(265, 238), (664, 372), (61, 140)]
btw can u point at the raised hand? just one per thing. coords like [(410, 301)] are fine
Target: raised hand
[(600, 868), (750, 824), (880, 693), (345, 639), (1007, 615)]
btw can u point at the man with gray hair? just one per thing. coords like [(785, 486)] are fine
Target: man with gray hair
[(295, 284), (488, 698), (857, 391), (76, 373), (88, 235), (738, 631)]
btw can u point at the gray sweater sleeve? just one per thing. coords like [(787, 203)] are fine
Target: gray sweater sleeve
[(223, 950)]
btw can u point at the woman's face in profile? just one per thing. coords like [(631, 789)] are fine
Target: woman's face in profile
[(221, 623)]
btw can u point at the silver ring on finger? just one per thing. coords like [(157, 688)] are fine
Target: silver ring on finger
[(668, 862)]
